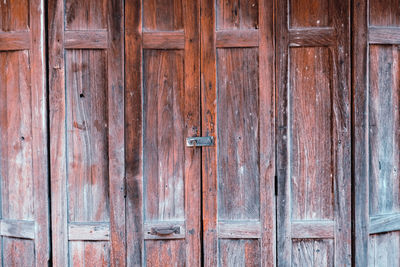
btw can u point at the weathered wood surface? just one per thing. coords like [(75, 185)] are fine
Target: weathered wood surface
[(162, 109), (313, 133), (376, 127), (237, 55), (87, 132), (24, 225)]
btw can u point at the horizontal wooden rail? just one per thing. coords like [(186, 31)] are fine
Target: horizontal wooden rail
[(384, 35), (313, 229), (89, 231), (17, 228), (384, 223), (237, 38), (164, 230), (164, 40), (244, 230), (11, 41), (86, 39), (312, 37)]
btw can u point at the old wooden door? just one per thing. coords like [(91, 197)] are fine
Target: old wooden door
[(169, 97), (24, 224), (377, 132), (313, 133), (87, 132)]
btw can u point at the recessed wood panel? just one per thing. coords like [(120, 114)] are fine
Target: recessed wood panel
[(163, 15), (384, 12), (384, 130), (310, 13), (238, 134), (92, 254), (313, 252), (87, 135), (165, 253), (86, 15), (383, 250), (18, 252), (312, 176), (16, 140), (237, 14), (14, 15), (239, 252), (163, 135)]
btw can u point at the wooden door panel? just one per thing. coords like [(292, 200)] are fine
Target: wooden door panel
[(313, 136), (87, 132), (24, 230), (237, 110), (162, 110), (377, 135)]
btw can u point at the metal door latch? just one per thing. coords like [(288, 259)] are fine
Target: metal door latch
[(169, 230), (200, 141)]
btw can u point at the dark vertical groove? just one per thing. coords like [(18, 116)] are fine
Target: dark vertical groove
[(47, 82)]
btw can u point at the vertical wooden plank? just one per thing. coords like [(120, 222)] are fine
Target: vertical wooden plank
[(209, 127), (133, 132), (57, 133), (39, 133), (360, 140), (115, 21), (284, 250), (266, 18), (192, 172)]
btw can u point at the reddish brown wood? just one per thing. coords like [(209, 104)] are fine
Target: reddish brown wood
[(134, 133), (86, 39), (163, 40), (314, 164), (87, 130), (162, 73), (237, 38), (236, 204), (24, 224)]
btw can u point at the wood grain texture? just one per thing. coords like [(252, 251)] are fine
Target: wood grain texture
[(164, 40), (209, 128), (383, 35), (311, 13), (237, 38), (239, 230), (313, 100), (384, 13), (311, 152), (359, 128), (133, 133), (15, 15), (313, 252), (87, 136), (239, 252), (163, 101), (238, 134), (86, 15), (87, 129), (89, 231), (237, 180), (86, 39), (10, 41), (23, 126), (237, 14), (163, 15), (89, 253)]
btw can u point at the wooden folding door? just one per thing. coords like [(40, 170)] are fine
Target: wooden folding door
[(313, 133)]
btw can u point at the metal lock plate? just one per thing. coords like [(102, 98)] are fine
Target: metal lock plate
[(200, 141)]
